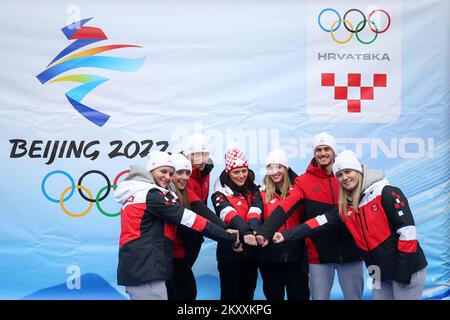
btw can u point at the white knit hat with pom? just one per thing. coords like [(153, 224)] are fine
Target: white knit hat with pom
[(346, 160), (158, 159), (181, 163), (278, 156), (196, 142), (324, 139)]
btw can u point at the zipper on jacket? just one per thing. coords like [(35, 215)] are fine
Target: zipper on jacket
[(331, 189), (365, 239)]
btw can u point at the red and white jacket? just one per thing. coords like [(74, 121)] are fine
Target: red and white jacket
[(314, 193), (293, 251), (148, 217), (383, 229), (239, 211)]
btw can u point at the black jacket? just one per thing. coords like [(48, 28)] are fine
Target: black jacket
[(240, 210)]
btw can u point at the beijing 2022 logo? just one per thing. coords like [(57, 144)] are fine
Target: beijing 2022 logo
[(68, 60)]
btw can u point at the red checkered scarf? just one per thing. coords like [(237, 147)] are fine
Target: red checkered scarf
[(234, 159)]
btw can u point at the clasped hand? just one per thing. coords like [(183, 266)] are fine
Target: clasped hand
[(254, 240)]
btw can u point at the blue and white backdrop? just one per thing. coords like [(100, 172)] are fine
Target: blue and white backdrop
[(89, 87)]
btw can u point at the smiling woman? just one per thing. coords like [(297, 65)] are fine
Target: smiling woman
[(238, 203), (283, 267), (239, 176), (163, 175)]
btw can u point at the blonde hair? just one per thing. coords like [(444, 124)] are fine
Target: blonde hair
[(344, 196), (271, 186)]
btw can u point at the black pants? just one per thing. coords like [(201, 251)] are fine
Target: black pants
[(238, 280), (182, 285), (278, 277)]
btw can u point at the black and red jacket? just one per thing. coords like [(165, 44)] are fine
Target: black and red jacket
[(315, 192), (292, 251), (149, 216), (187, 244), (240, 210), (197, 190), (383, 229)]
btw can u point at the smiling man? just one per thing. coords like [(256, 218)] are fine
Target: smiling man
[(316, 192)]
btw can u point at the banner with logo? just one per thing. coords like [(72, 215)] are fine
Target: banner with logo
[(88, 88)]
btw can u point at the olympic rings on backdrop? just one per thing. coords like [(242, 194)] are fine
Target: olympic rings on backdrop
[(320, 16), (346, 40), (351, 29), (90, 198), (388, 24), (373, 39), (48, 176), (97, 202), (100, 173), (348, 25), (73, 215)]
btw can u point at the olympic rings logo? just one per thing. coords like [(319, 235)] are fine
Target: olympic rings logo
[(349, 26), (70, 190)]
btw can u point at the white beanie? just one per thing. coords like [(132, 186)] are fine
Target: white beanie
[(158, 159), (278, 156), (181, 163), (196, 142), (346, 160), (324, 139)]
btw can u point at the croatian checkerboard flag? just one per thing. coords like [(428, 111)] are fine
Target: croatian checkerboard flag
[(354, 61)]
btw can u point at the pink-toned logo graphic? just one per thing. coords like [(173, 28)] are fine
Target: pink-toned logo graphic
[(341, 91)]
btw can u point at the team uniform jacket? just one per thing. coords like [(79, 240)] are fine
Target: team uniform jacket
[(239, 211), (189, 241), (315, 193), (292, 251), (186, 244), (148, 217), (383, 230)]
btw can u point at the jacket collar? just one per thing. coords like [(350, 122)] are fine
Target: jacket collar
[(370, 177), (317, 170), (198, 175)]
